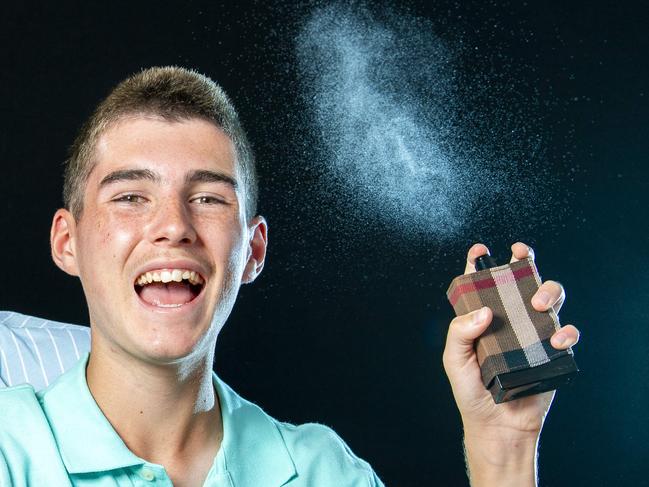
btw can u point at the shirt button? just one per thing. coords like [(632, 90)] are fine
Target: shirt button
[(147, 474)]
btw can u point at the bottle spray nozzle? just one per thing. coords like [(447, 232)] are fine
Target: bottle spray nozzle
[(485, 262)]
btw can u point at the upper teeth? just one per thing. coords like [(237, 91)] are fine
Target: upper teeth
[(169, 275)]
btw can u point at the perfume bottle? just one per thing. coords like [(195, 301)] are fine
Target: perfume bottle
[(515, 355)]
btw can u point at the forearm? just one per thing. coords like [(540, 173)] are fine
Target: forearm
[(500, 463)]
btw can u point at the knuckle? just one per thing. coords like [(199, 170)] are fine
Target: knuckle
[(455, 322), (459, 321)]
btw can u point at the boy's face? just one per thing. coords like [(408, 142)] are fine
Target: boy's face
[(163, 201)]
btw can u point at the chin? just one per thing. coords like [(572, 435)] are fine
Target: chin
[(168, 341)]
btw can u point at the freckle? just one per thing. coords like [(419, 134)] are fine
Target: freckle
[(140, 412)]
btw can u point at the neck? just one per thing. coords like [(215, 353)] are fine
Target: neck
[(165, 414)]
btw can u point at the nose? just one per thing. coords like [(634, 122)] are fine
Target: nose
[(172, 224)]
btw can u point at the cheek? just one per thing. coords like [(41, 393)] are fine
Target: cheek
[(121, 237), (105, 245), (226, 246), (237, 260), (111, 238), (101, 233)]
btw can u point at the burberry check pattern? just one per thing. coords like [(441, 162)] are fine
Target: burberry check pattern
[(519, 336)]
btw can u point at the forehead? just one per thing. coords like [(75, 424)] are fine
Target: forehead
[(169, 148)]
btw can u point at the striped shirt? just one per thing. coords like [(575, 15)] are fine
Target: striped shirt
[(37, 351)]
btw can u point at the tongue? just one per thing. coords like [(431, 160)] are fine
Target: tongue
[(158, 293)]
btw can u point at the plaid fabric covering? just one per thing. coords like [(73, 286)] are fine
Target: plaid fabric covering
[(519, 336)]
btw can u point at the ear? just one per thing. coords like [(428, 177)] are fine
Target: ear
[(62, 237), (258, 231)]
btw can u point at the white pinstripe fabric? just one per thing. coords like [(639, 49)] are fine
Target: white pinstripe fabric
[(37, 351)]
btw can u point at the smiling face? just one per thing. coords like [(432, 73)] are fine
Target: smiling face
[(162, 245)]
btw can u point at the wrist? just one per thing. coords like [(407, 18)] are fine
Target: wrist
[(501, 459)]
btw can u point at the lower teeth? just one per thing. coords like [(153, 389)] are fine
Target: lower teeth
[(160, 305)]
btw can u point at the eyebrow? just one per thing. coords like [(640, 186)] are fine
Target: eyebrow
[(129, 175), (204, 176), (198, 176)]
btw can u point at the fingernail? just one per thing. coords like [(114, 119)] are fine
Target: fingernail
[(479, 316), (561, 339), (543, 298)]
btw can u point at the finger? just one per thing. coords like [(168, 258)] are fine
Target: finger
[(474, 252), (549, 295), (462, 332), (521, 251), (566, 337)]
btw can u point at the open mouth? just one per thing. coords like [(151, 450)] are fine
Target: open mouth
[(169, 288)]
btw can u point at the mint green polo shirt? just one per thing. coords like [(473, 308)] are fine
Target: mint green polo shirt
[(59, 437)]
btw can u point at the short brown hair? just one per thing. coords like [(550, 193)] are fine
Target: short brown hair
[(173, 94)]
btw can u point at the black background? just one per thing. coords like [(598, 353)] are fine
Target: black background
[(346, 326)]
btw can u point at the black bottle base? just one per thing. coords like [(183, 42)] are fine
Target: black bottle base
[(526, 382)]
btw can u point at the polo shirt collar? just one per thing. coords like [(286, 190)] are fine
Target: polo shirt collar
[(252, 449), (86, 439)]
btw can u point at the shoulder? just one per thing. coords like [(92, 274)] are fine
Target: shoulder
[(320, 451), (12, 398), (314, 438), (257, 445), (22, 417), (33, 328), (12, 321), (18, 403), (28, 452), (18, 407), (35, 350)]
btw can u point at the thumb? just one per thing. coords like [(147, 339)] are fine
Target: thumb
[(462, 333)]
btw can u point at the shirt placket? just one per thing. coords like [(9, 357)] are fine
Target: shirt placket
[(149, 475)]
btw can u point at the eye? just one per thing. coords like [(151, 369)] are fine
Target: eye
[(130, 198), (208, 200)]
